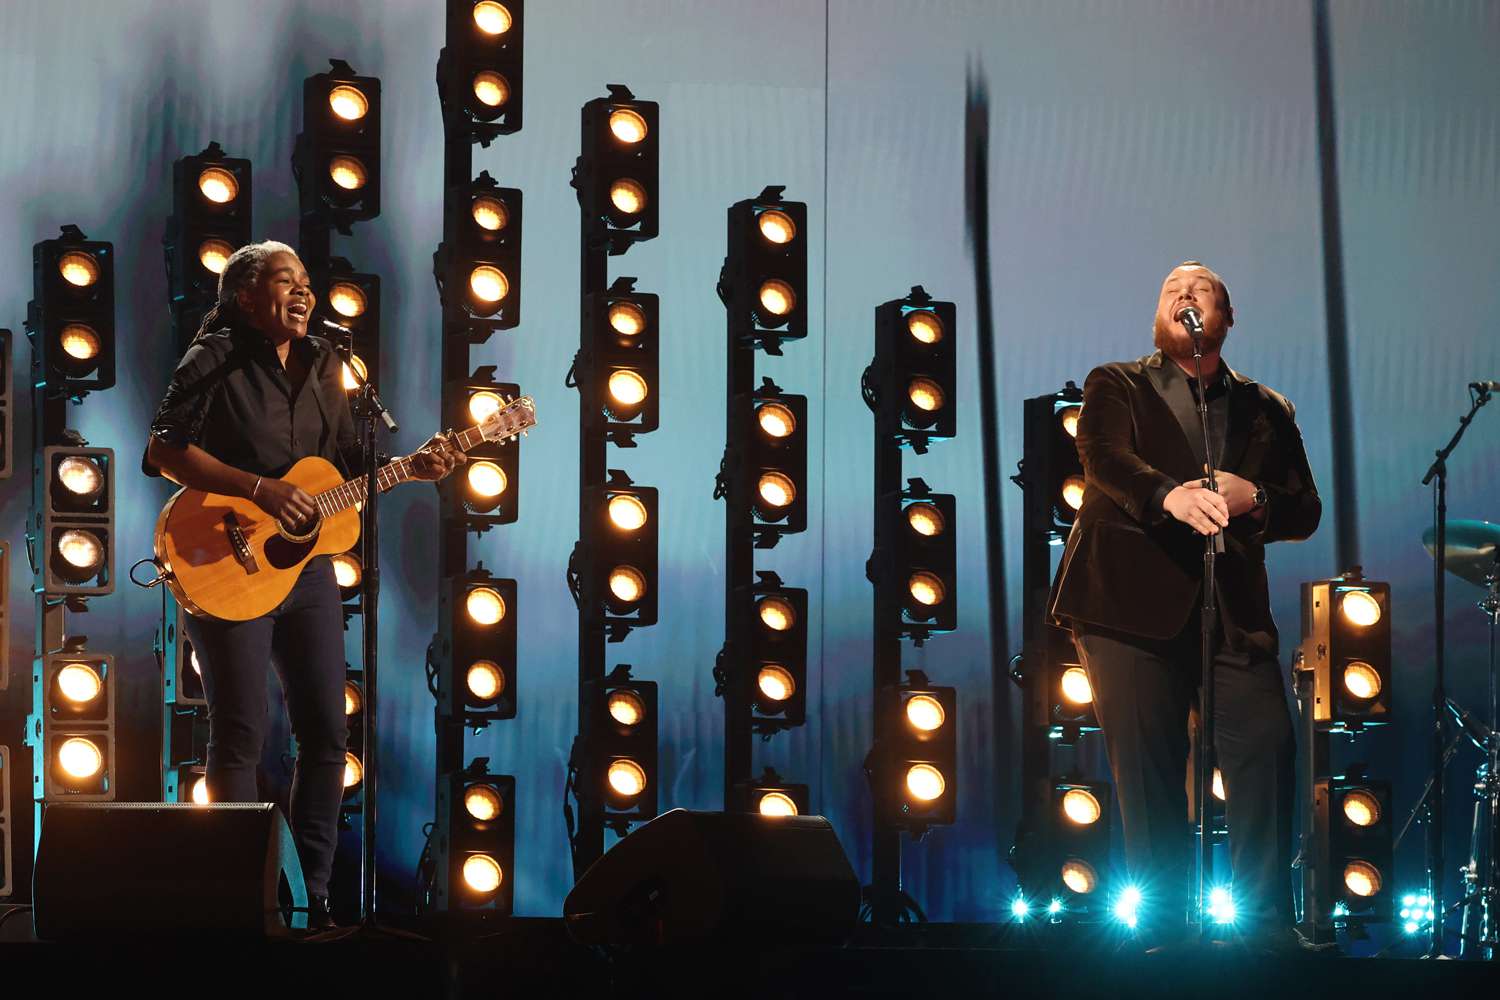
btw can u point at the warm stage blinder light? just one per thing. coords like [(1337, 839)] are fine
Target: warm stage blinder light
[(764, 283), (486, 490), (474, 841), (618, 173), (72, 315), (475, 650), (336, 158), (1346, 649), (622, 570)]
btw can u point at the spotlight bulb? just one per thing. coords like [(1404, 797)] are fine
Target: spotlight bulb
[(777, 226), (349, 103), (627, 584), (218, 185), (78, 269), (1362, 878), (491, 88), (776, 613), (925, 394), (484, 404), (79, 683), (485, 605), (487, 479), (627, 388), (1360, 608), (1079, 876), (492, 18), (213, 255), (482, 874), (347, 571), (627, 778), (489, 284), (776, 682), (776, 419), (626, 707), (489, 213), (925, 782), (776, 490), (924, 326), (1361, 680), (1361, 808), (1080, 806), (81, 476), (777, 804), (777, 298), (357, 363), (81, 549), (483, 802), (627, 196), (485, 680), (1069, 418), (354, 771), (354, 699), (1075, 686), (79, 342), (628, 126), (627, 318), (200, 791), (627, 512), (926, 589), (80, 758), (925, 713), (1072, 491), (347, 172), (347, 300), (925, 519)]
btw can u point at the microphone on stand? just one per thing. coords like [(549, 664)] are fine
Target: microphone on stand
[(333, 327), (1190, 318), (1485, 386)]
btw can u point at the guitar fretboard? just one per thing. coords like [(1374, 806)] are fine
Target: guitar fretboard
[(400, 470)]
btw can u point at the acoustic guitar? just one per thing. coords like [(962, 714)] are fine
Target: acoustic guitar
[(224, 557)]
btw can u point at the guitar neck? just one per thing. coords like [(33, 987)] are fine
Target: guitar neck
[(395, 472)]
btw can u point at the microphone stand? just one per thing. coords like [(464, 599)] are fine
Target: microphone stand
[(1208, 616), (1437, 475), (369, 410)]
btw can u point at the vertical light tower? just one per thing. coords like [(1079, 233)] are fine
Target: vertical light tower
[(336, 162), (910, 386), (612, 768), (761, 671), (471, 877), (212, 199), (71, 324)]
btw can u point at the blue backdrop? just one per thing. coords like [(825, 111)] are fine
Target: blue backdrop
[(1124, 138)]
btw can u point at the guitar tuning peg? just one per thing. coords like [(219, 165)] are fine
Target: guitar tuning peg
[(524, 433)]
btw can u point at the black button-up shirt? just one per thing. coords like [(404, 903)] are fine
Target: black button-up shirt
[(1180, 391), (231, 396)]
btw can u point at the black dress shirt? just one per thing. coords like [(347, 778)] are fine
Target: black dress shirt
[(232, 397), (1180, 391)]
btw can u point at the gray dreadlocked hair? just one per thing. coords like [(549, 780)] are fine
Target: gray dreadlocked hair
[(241, 271)]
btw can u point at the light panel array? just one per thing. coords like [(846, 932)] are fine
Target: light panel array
[(211, 219)]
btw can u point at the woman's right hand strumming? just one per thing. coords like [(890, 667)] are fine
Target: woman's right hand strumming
[(289, 504)]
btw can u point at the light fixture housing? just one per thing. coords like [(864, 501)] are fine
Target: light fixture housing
[(463, 641)]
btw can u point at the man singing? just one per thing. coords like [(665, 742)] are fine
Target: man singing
[(1129, 586)]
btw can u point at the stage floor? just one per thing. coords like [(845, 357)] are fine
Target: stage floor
[(535, 957)]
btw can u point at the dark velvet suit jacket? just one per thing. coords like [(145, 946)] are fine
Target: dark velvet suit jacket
[(1135, 570)]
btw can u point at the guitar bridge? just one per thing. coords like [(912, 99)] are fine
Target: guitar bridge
[(242, 553)]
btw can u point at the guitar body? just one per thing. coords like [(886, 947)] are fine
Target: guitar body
[(223, 557)]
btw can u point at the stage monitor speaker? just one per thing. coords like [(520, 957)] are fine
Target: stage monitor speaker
[(142, 868), (699, 876)]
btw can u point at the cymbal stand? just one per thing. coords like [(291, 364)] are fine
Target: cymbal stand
[(1437, 475), (1480, 934)]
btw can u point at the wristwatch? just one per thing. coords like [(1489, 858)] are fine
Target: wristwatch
[(1259, 500)]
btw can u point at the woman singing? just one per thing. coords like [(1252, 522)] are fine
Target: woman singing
[(253, 394)]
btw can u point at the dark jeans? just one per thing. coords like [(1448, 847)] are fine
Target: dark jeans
[(1143, 692), (304, 638)]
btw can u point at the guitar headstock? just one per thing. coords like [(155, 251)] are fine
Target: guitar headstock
[(510, 421)]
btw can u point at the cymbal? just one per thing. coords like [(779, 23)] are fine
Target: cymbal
[(1472, 548)]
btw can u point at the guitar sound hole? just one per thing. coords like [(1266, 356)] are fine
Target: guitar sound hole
[(283, 552)]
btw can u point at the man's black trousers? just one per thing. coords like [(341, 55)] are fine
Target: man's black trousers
[(1144, 690)]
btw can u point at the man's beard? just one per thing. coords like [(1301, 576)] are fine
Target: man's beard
[(1175, 344)]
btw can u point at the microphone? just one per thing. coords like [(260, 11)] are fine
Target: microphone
[(333, 327), (1485, 386), (1475, 730), (1192, 321)]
